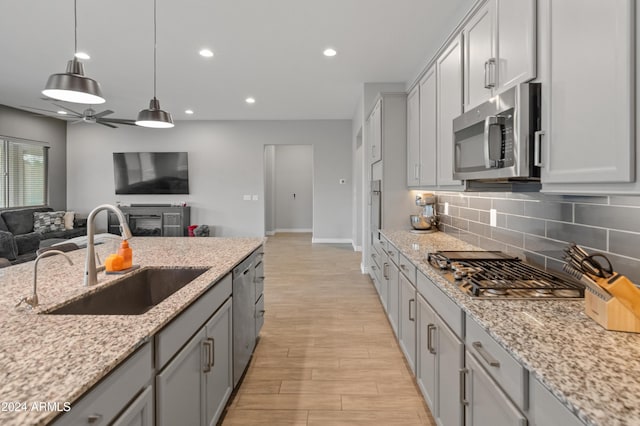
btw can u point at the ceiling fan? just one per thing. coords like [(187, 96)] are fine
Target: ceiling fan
[(89, 115)]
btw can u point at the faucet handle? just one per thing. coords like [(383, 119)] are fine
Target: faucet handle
[(31, 301)]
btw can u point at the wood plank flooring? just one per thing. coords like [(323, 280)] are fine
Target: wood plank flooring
[(327, 354)]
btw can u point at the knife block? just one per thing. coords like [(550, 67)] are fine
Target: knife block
[(611, 314)]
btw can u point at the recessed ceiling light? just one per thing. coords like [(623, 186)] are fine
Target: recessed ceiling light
[(82, 55), (329, 52), (250, 100), (62, 112), (188, 111), (206, 53)]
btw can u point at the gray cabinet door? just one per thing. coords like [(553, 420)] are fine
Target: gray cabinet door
[(413, 137), (180, 386), (426, 367), (393, 294), (450, 350), (487, 404), (428, 129), (218, 370), (140, 412), (407, 312), (172, 225)]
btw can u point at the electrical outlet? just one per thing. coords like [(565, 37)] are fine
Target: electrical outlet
[(246, 197), (446, 208), (254, 197), (493, 217)]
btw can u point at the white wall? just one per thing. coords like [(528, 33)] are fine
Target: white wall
[(293, 176), (19, 124), (226, 161)]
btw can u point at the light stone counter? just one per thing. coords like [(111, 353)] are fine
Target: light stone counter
[(595, 373), (57, 358)]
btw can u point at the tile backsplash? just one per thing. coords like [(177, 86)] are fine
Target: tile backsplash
[(536, 227)]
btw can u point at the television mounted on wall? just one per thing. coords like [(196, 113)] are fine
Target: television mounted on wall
[(151, 172)]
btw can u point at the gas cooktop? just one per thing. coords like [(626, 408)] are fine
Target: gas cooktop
[(496, 275)]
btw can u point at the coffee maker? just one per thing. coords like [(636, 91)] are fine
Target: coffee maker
[(426, 220)]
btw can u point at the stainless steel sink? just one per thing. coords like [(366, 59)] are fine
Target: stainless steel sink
[(133, 295)]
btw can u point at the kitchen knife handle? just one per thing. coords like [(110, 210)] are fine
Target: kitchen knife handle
[(537, 148), (488, 358)]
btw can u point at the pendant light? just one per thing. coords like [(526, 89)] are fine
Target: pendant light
[(72, 85), (154, 116)]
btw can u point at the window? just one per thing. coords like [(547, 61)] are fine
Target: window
[(23, 168)]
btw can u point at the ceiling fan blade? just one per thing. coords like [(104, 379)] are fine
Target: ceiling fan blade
[(107, 124), (103, 113), (118, 120), (79, 114)]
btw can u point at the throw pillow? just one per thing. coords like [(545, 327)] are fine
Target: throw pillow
[(44, 222), (68, 220), (8, 246)]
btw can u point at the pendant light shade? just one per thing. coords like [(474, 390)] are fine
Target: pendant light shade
[(72, 85), (154, 117)]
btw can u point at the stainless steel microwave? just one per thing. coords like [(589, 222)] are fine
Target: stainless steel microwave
[(495, 141)]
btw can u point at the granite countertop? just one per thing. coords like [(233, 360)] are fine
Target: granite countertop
[(595, 373), (57, 358)]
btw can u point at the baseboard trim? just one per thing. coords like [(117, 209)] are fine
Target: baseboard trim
[(356, 248), (270, 233), (332, 241), (293, 230)]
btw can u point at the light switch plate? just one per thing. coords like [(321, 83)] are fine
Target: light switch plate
[(246, 197), (493, 217), (254, 197), (446, 208)]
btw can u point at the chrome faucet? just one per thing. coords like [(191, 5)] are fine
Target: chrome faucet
[(90, 270), (33, 300)]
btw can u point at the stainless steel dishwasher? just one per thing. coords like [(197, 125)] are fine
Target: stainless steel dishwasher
[(244, 325)]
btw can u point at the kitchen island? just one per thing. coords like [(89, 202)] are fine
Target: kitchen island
[(593, 372), (55, 359)]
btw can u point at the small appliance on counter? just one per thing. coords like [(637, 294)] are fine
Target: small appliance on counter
[(426, 221), (611, 299)]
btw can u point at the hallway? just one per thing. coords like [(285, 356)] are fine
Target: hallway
[(327, 354)]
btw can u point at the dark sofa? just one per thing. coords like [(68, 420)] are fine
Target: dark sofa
[(19, 241)]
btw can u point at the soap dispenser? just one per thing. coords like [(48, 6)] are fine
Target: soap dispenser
[(127, 254)]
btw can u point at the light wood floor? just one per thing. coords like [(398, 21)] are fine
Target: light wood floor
[(327, 354)]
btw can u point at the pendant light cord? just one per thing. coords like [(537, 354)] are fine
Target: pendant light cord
[(75, 27), (155, 47)]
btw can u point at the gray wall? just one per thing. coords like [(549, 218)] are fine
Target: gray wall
[(19, 124), (293, 174), (537, 226), (226, 161)]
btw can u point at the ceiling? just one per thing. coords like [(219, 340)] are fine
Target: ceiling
[(268, 49)]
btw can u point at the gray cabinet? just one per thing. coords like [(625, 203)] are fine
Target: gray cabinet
[(194, 387), (485, 402), (140, 412), (375, 131), (545, 409), (589, 141), (407, 321), (393, 295), (427, 360), (413, 137)]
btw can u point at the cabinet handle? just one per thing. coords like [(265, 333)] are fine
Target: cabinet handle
[(260, 313), (463, 372), (537, 148), (414, 318), (416, 172), (94, 418), (373, 255), (258, 280), (430, 328), (489, 73), (212, 353), (391, 253), (404, 267), (488, 358), (385, 271), (373, 267), (206, 352)]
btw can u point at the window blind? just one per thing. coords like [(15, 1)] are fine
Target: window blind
[(24, 168)]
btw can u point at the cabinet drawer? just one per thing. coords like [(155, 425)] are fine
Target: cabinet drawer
[(502, 367), (101, 405), (546, 409), (376, 260), (259, 314), (451, 313), (407, 268), (259, 277), (393, 253), (378, 247), (171, 338)]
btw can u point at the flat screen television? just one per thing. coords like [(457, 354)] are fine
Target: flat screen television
[(151, 172)]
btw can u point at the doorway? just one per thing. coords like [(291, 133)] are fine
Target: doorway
[(288, 188)]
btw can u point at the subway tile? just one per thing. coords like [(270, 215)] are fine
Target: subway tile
[(488, 244), (469, 214), (484, 217), (480, 203), (581, 235), (544, 246), (626, 266), (624, 243), (509, 206), (440, 208), (526, 224), (445, 219), (469, 237), (454, 211), (501, 220), (526, 256), (509, 237), (480, 229), (554, 265), (455, 232), (621, 218), (460, 223), (549, 210), (624, 200), (460, 201)]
